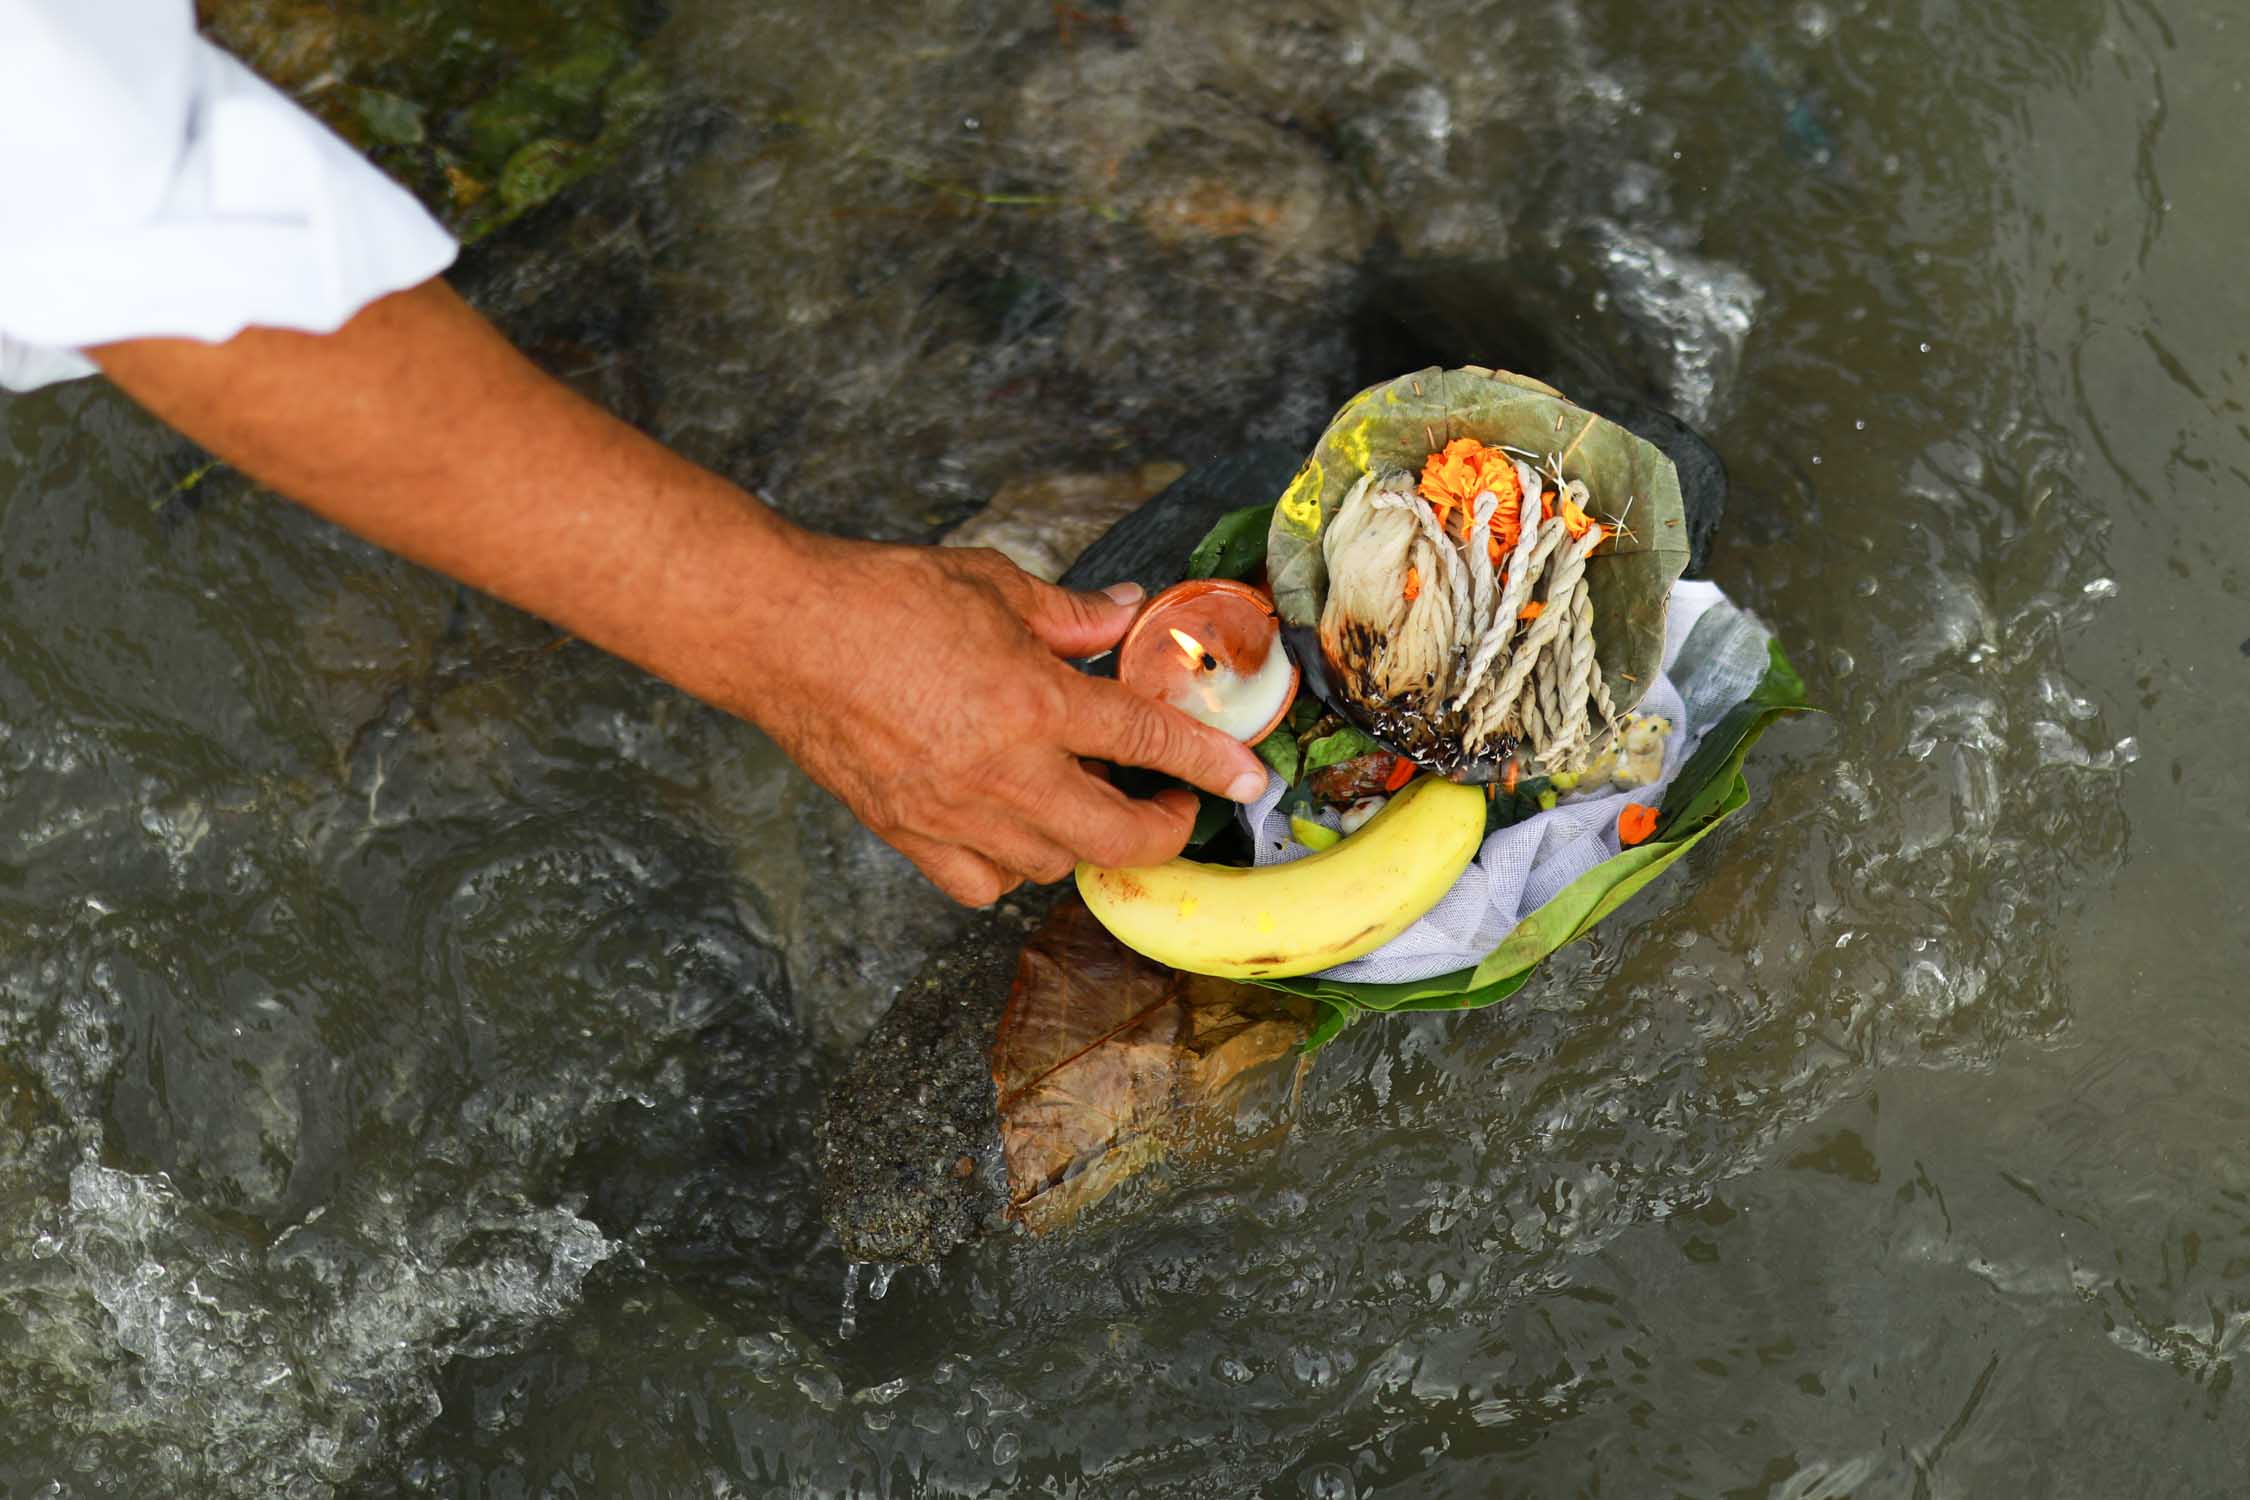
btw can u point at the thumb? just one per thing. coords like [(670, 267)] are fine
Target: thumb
[(1075, 624)]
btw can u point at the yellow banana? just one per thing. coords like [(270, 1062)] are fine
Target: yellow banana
[(1279, 920)]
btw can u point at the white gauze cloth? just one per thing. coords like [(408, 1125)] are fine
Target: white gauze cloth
[(152, 186), (1714, 654)]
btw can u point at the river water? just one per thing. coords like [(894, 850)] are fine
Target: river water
[(411, 1028)]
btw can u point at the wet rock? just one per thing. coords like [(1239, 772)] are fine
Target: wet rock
[(1151, 546), (916, 1101), (1207, 177), (1402, 143), (1686, 315), (845, 956), (1044, 522)]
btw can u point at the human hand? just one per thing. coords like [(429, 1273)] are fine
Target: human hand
[(927, 688)]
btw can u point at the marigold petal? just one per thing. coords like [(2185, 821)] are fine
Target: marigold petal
[(1635, 822), (1466, 468)]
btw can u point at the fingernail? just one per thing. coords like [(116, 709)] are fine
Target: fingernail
[(1127, 592), (1247, 787)]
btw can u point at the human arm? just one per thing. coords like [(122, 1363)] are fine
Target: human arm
[(925, 687)]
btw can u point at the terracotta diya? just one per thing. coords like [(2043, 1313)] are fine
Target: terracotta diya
[(1212, 649)]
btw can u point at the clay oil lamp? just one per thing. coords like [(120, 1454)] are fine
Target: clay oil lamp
[(1212, 649)]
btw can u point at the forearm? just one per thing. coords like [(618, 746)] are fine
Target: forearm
[(924, 686), (418, 427)]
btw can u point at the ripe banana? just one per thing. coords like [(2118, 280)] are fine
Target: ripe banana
[(1278, 920)]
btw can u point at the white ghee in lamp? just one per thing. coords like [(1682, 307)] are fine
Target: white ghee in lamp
[(1236, 703)]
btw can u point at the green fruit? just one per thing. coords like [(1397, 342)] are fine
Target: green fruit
[(1314, 836)]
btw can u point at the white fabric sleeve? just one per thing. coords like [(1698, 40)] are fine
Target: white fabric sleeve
[(152, 186)]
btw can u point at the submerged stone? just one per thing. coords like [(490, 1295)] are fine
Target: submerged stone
[(909, 1145)]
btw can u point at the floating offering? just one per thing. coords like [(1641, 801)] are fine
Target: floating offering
[(1473, 575)]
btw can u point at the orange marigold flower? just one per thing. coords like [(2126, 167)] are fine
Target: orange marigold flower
[(1575, 521), (1531, 611), (1464, 469), (1635, 822), (1413, 584)]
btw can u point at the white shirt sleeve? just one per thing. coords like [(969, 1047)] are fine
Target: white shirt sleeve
[(150, 185)]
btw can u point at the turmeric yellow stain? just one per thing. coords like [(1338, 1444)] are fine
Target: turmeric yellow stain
[(1356, 442), (1265, 921), (1300, 503), (1187, 907)]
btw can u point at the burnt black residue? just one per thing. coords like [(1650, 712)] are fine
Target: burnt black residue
[(1405, 725)]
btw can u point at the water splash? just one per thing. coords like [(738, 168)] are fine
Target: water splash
[(1695, 314), (227, 1368)]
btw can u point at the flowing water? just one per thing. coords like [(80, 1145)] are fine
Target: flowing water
[(411, 1028)]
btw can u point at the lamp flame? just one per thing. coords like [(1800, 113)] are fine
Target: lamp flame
[(1192, 649)]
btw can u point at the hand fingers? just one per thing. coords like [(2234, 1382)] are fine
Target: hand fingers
[(1026, 852), (967, 877), (1000, 862), (1074, 624), (1109, 828), (1118, 724)]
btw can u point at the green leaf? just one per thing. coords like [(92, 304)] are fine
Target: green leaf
[(1334, 749), (1709, 775), (1471, 999), (391, 120), (1439, 992), (1236, 547), (1737, 796), (1333, 1018), (1211, 815), (1510, 808), (1279, 750), (1583, 902)]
